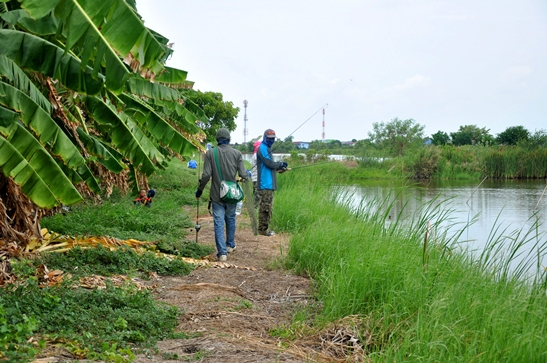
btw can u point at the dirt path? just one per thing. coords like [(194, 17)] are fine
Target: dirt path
[(230, 309)]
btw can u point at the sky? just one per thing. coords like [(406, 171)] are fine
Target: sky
[(444, 64)]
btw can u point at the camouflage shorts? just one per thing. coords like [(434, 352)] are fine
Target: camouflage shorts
[(265, 209)]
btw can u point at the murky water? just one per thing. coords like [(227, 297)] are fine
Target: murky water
[(508, 212)]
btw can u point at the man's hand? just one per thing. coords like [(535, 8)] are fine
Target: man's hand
[(198, 193)]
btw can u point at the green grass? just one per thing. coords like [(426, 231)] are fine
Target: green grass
[(423, 304), (165, 222), (103, 324), (106, 324)]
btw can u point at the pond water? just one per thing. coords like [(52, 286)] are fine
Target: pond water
[(503, 211)]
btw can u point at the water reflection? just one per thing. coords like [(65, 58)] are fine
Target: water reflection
[(496, 207)]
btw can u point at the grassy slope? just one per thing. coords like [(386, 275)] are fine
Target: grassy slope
[(449, 309)]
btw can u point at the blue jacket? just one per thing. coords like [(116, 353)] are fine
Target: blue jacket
[(266, 168)]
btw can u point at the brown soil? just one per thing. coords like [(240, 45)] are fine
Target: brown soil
[(229, 308)]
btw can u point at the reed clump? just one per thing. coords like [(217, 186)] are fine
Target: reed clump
[(426, 300)]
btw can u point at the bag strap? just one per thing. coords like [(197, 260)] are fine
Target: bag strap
[(215, 152)]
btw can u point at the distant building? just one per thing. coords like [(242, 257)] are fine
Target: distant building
[(301, 144), (349, 143)]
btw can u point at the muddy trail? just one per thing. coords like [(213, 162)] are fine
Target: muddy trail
[(230, 308)]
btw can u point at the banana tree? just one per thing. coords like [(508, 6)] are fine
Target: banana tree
[(84, 95)]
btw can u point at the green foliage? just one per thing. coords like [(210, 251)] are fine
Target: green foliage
[(537, 139), (440, 138), (219, 113), (112, 101), (513, 135), (423, 163), (419, 303), (165, 222), (15, 331), (98, 324), (102, 261), (397, 136), (471, 135)]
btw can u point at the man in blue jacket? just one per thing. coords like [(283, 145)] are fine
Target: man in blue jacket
[(267, 181)]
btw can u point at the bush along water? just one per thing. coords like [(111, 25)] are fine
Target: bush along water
[(417, 297), (458, 162)]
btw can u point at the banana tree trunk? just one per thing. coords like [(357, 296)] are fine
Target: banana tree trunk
[(19, 217)]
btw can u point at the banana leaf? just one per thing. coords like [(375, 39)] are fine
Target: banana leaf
[(20, 80), (157, 126), (172, 76), (121, 135), (95, 147), (39, 55), (47, 131), (24, 159), (121, 31), (143, 87), (46, 25)]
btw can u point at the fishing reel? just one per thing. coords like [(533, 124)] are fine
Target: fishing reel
[(197, 227)]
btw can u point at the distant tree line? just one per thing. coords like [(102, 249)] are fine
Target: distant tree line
[(397, 137)]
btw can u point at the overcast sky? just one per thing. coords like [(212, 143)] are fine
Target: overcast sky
[(442, 63)]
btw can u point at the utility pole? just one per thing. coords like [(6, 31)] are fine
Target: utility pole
[(245, 132), (323, 124)]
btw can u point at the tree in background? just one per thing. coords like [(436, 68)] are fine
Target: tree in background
[(397, 135), (219, 113), (513, 135), (86, 103), (471, 135), (538, 139), (440, 138), (285, 146)]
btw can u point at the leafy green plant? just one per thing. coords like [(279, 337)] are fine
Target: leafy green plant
[(101, 323), (102, 261)]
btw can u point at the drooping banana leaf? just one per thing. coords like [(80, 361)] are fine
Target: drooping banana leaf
[(19, 80), (105, 157), (172, 76), (39, 9), (121, 30), (195, 110), (143, 87), (156, 125), (46, 25), (177, 114), (82, 28), (47, 131), (133, 180), (150, 145), (39, 55), (24, 159), (121, 135)]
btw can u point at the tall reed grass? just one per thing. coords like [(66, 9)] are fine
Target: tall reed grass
[(420, 299)]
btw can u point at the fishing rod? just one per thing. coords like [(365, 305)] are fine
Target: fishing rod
[(197, 226), (309, 118), (312, 164), (253, 169)]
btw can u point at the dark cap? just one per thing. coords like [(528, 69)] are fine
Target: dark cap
[(223, 134), (269, 133)]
